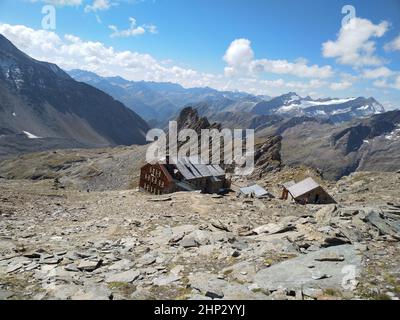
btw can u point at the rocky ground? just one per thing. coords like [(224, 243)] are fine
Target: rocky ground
[(59, 240)]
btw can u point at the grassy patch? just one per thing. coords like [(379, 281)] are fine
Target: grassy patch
[(122, 287), (332, 292)]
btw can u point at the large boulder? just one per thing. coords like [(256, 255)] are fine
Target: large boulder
[(314, 270)]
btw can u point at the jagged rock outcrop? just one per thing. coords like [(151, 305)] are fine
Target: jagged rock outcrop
[(190, 119), (267, 156)]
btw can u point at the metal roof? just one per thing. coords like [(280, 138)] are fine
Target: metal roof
[(184, 186), (303, 187), (254, 189), (191, 171), (289, 184)]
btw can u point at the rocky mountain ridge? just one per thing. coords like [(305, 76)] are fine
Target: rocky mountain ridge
[(159, 102), (38, 100)]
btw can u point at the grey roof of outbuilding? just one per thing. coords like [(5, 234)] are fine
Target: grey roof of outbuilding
[(190, 170), (303, 187), (254, 189)]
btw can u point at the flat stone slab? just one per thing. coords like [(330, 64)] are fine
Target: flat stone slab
[(294, 274), (5, 294), (127, 276), (273, 228), (208, 285), (87, 265), (166, 280)]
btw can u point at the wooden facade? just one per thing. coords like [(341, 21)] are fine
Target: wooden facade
[(156, 180), (285, 189), (161, 179), (316, 196)]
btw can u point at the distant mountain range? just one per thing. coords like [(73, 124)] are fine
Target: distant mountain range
[(337, 110), (41, 104), (159, 102)]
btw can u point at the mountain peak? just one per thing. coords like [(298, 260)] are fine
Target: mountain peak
[(7, 47), (58, 106)]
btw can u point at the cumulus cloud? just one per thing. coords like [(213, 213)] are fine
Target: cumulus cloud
[(238, 56), (381, 72), (240, 60), (298, 69), (354, 45), (98, 5), (303, 86), (71, 52), (61, 2), (340, 85), (384, 83), (393, 45), (133, 30)]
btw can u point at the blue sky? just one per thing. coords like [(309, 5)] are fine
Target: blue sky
[(264, 47)]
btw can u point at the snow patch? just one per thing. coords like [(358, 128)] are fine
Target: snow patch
[(394, 135), (303, 104), (340, 111), (288, 108), (292, 98), (30, 135)]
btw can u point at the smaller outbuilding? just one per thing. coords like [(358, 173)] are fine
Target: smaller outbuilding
[(307, 191), (254, 191)]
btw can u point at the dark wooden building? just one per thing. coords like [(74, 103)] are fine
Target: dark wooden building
[(184, 176)]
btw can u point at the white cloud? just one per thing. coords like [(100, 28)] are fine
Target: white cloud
[(381, 72), (384, 83), (390, 105), (61, 2), (286, 86), (341, 85), (98, 19), (71, 52), (133, 30), (151, 28), (239, 54), (98, 5), (298, 69), (393, 45), (354, 45), (240, 60)]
